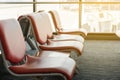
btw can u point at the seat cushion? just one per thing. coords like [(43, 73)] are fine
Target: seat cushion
[(82, 32), (64, 65), (117, 33), (43, 53), (69, 37), (64, 46)]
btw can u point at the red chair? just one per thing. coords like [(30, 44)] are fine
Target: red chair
[(12, 46), (63, 37), (60, 30), (41, 30), (31, 44)]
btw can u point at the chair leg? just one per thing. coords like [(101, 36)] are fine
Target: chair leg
[(40, 78), (54, 78), (77, 71)]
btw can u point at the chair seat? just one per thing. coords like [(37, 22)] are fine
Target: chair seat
[(68, 37), (12, 46), (117, 33), (53, 54), (64, 65), (80, 31), (59, 28), (64, 46)]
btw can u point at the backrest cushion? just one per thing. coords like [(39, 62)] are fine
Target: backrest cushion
[(41, 25), (24, 23), (48, 24), (56, 19), (12, 40), (38, 27)]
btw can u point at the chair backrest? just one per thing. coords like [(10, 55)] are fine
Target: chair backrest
[(12, 40), (24, 23), (31, 46), (56, 20), (42, 26)]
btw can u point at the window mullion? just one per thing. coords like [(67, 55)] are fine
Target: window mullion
[(34, 5)]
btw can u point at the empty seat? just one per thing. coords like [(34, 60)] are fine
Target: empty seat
[(31, 46), (61, 37), (59, 27), (12, 46), (40, 27)]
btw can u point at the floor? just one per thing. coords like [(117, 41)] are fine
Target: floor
[(100, 61)]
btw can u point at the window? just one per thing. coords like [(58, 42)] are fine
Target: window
[(16, 0), (93, 15), (102, 17), (68, 13), (14, 10)]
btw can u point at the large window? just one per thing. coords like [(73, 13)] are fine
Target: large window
[(93, 15), (14, 10), (69, 15), (16, 0), (102, 17)]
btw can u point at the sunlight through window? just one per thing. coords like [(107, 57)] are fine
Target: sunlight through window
[(93, 15)]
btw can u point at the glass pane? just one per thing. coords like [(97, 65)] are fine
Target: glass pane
[(68, 13), (101, 0), (16, 0), (90, 0), (58, 0), (47, 0), (14, 10), (102, 17), (71, 0)]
